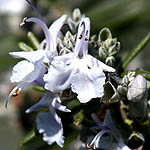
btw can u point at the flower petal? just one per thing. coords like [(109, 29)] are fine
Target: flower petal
[(28, 72), (58, 77), (21, 70), (88, 84), (49, 124), (109, 123), (43, 103), (55, 28), (32, 56), (58, 106)]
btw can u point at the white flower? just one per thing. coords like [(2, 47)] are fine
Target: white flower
[(31, 71), (78, 70)]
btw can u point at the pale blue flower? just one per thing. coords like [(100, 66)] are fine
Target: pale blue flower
[(48, 123), (78, 70), (109, 137), (31, 71), (51, 34)]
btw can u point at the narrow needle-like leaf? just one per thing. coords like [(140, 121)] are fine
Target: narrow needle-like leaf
[(23, 46), (34, 41), (29, 137), (38, 88)]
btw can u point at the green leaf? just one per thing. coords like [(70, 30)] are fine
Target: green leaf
[(134, 52), (29, 137), (34, 41), (23, 46), (78, 118), (73, 103), (38, 88)]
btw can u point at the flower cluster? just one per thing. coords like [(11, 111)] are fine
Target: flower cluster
[(64, 62)]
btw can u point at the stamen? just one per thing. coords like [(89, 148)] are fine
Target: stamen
[(23, 23), (86, 36), (89, 146), (80, 37), (35, 9), (17, 92), (86, 32), (45, 30)]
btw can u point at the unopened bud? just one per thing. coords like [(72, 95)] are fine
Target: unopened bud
[(125, 80), (117, 46), (110, 60), (137, 89), (131, 76), (111, 49), (68, 35), (104, 34), (76, 14), (103, 53)]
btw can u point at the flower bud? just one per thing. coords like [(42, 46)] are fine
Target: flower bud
[(68, 35), (103, 53), (131, 75), (76, 14), (104, 34), (117, 46), (137, 89), (136, 140), (125, 80), (112, 49), (110, 60)]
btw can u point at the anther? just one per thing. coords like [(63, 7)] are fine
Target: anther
[(24, 22), (89, 146), (80, 37), (86, 38), (16, 93)]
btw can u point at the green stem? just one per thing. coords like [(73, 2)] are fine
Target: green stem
[(134, 52)]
